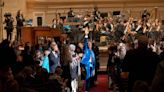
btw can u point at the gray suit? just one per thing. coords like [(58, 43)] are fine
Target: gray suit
[(53, 61)]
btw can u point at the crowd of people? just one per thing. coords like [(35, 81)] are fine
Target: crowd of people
[(47, 67), (135, 47), (135, 63), (133, 66), (114, 27)]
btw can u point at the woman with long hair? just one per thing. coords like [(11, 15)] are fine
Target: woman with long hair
[(65, 60)]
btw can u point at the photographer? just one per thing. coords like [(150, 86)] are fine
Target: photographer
[(9, 25), (20, 19)]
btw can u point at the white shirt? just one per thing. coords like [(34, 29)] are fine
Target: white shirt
[(55, 54)]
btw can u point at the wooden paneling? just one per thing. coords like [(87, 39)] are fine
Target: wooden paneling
[(27, 35), (31, 34)]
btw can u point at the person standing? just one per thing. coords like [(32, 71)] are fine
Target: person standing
[(45, 63), (88, 60), (70, 15), (54, 57), (20, 19), (96, 14), (9, 25), (74, 68), (140, 63)]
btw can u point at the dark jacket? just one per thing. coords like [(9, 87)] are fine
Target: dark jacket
[(53, 61), (141, 65), (158, 81)]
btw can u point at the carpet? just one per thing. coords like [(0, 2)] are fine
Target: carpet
[(102, 84)]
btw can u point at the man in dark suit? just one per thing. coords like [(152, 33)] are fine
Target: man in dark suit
[(141, 63), (158, 81), (70, 13), (9, 25), (20, 19), (54, 57), (96, 14)]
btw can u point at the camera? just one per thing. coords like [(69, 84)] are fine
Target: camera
[(7, 14)]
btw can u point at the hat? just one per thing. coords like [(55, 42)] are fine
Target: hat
[(72, 47)]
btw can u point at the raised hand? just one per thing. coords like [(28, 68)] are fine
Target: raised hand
[(86, 31)]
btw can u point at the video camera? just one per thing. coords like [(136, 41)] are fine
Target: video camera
[(7, 14)]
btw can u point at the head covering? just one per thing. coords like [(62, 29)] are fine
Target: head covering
[(72, 47)]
